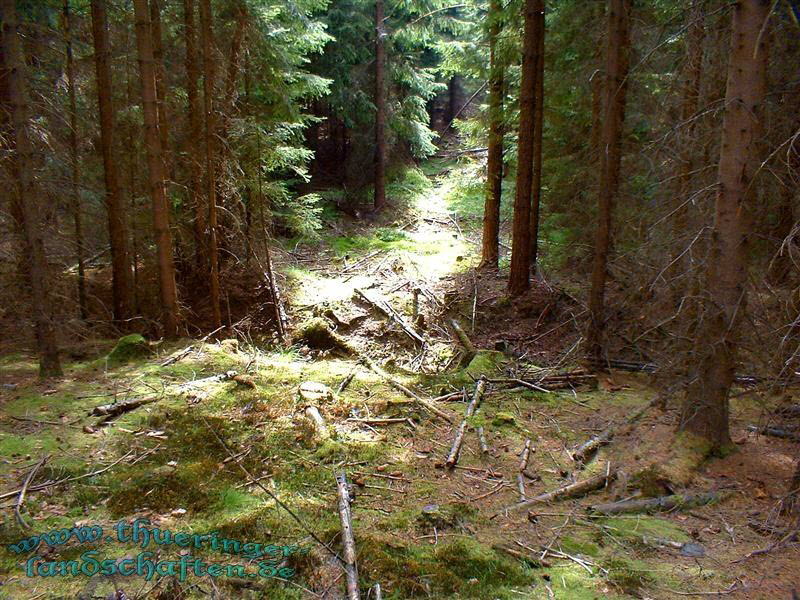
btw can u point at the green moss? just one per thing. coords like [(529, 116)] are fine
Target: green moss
[(485, 362), (504, 419), (627, 574), (634, 529), (454, 515), (128, 348)]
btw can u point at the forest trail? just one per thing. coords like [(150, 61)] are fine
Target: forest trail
[(421, 529)]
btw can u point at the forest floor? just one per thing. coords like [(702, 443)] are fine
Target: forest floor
[(211, 451)]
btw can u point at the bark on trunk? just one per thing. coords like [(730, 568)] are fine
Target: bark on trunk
[(617, 60), (49, 363), (161, 84), (155, 164), (538, 120), (705, 407), (211, 192), (194, 136), (494, 163), (74, 156), (380, 109), (121, 289), (519, 277)]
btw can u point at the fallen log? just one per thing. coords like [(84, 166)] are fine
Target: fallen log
[(660, 504), (587, 450), (455, 450), (426, 404), (109, 412), (348, 541), (469, 348), (384, 307), (774, 432), (792, 410), (572, 490)]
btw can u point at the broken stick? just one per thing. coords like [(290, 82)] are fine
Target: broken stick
[(348, 541), (455, 450), (427, 404), (321, 432), (774, 432), (482, 441), (572, 490), (21, 497), (523, 465)]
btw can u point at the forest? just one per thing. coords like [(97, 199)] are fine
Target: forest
[(388, 299)]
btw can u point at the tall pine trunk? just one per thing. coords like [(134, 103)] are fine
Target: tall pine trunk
[(380, 109), (494, 163), (616, 84), (194, 136), (77, 217), (161, 83), (211, 184), (155, 167), (29, 194), (704, 411), (538, 121), (519, 277), (121, 289)]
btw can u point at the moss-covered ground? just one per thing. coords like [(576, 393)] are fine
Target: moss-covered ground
[(214, 455)]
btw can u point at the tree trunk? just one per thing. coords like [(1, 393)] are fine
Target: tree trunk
[(519, 278), (380, 109), (194, 136), (155, 164), (73, 148), (117, 227), (616, 83), (211, 184), (704, 412), (538, 120), (29, 194), (161, 84), (494, 163)]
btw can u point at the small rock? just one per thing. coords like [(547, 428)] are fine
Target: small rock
[(693, 550), (314, 392), (178, 512)]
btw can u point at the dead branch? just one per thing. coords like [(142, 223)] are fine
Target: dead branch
[(112, 411), (660, 504), (384, 307), (455, 450), (403, 389), (523, 465), (24, 489), (569, 491), (465, 342), (482, 441), (774, 432), (348, 542)]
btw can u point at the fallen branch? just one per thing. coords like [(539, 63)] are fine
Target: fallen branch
[(465, 342), (24, 489), (429, 406), (774, 432), (578, 488), (112, 411), (348, 542), (345, 382), (523, 465), (588, 449), (661, 504), (482, 441), (379, 421), (384, 307), (455, 450)]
